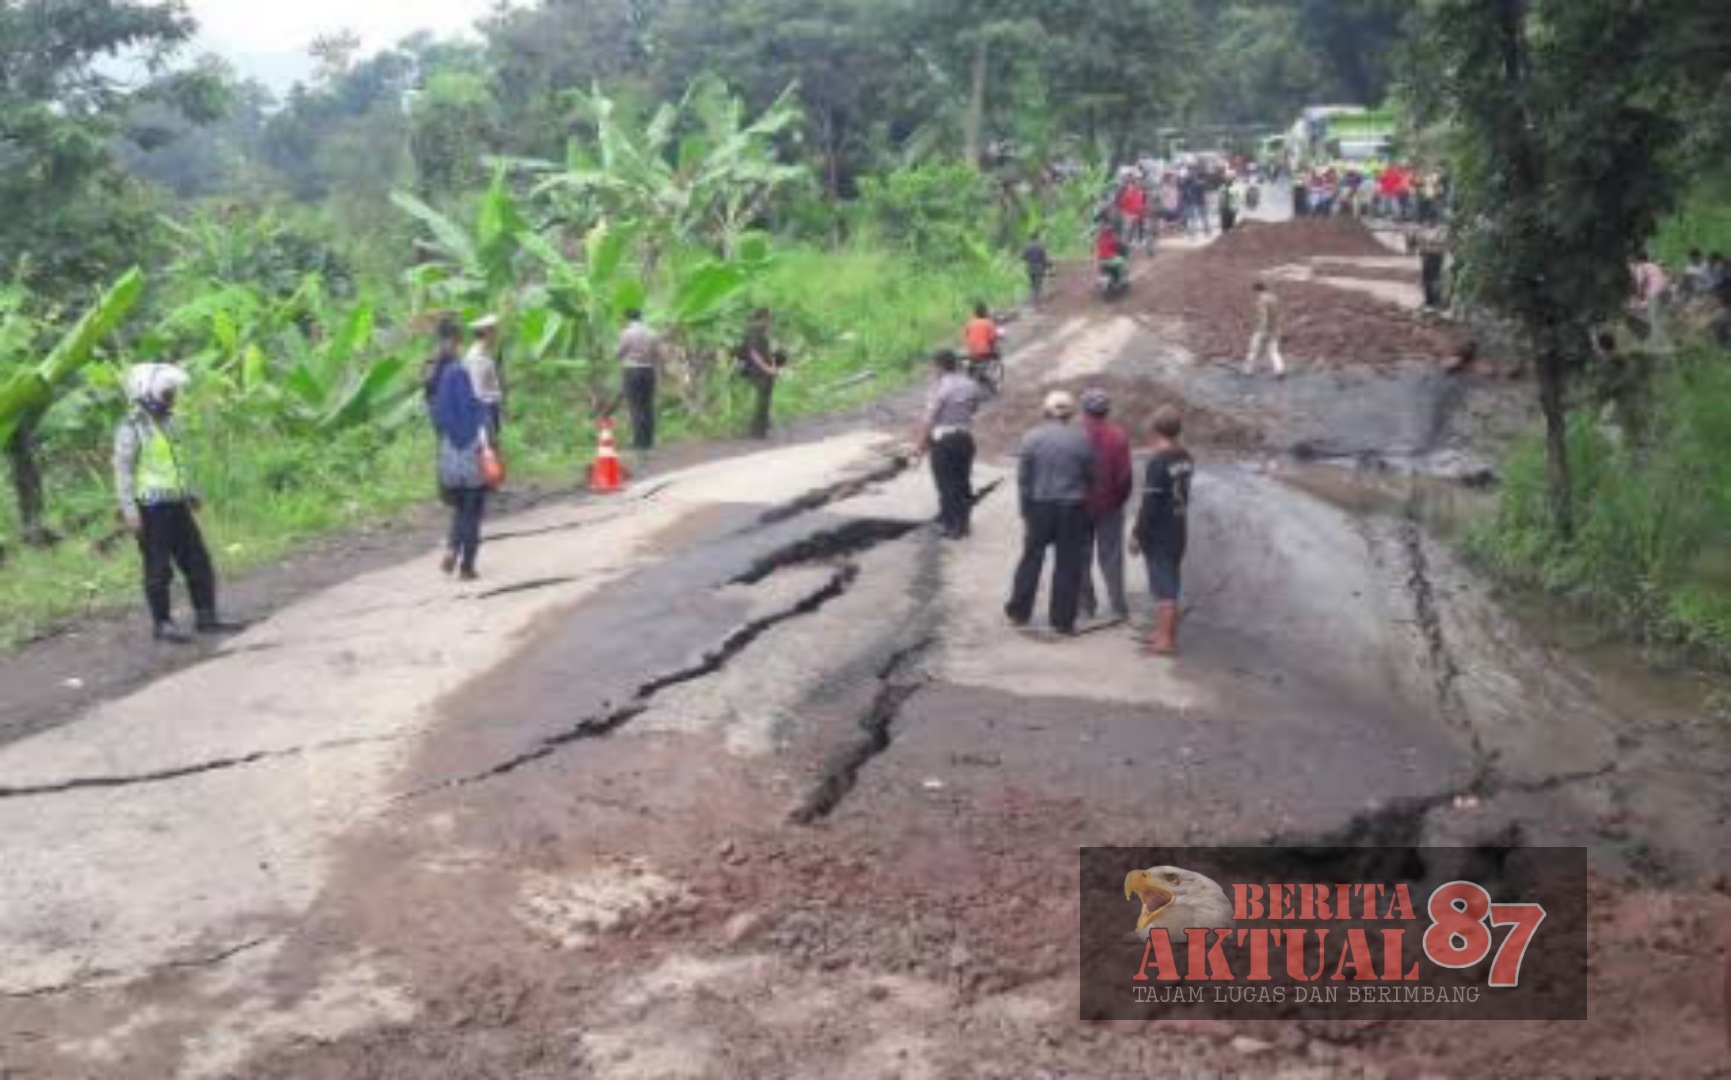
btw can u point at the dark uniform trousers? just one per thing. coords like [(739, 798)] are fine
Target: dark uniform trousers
[(169, 537), (953, 472), (640, 399), (1063, 526)]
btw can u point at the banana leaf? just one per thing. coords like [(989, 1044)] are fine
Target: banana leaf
[(28, 394)]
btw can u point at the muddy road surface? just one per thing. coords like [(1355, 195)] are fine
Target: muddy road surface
[(742, 774)]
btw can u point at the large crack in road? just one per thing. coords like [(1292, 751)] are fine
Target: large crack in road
[(611, 720), (182, 772), (852, 487), (900, 680)]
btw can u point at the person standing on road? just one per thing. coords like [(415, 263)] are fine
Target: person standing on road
[(1133, 210), (1231, 196), (1054, 477), (448, 351), (1647, 304), (1162, 527), (639, 353), (1114, 483), (461, 419), (761, 367), (159, 504), (1432, 244), (1265, 345), (947, 435), (1039, 265), (482, 364)]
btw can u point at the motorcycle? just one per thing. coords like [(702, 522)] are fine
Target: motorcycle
[(1113, 279)]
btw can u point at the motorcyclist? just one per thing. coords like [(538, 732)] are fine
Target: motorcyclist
[(982, 338), (1110, 256)]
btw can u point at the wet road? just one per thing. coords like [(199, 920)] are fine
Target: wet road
[(743, 775)]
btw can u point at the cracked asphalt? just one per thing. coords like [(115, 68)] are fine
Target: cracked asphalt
[(744, 776)]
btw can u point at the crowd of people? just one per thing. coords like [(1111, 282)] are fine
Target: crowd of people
[(1194, 197), (1392, 191), (1696, 295), (1074, 478), (1075, 483)]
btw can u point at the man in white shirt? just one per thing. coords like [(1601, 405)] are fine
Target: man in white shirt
[(1265, 345), (482, 364), (639, 352)]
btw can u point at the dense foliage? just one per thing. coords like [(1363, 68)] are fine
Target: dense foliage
[(1571, 122), (1649, 547)]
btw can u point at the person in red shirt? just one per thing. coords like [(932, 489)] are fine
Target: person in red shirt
[(1133, 206), (1109, 253), (1114, 483)]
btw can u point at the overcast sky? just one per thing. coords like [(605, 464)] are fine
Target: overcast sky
[(268, 38)]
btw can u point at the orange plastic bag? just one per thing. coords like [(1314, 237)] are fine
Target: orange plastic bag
[(492, 468)]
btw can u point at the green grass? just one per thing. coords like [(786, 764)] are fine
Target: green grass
[(1704, 224), (1650, 552), (264, 498), (840, 314), (843, 314)]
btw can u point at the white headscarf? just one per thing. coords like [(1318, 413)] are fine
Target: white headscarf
[(146, 384)]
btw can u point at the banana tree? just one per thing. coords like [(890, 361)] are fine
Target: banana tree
[(569, 320), (469, 267), (696, 170), (226, 333), (330, 381), (29, 392)]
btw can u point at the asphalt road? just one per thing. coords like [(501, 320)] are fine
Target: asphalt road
[(742, 774)]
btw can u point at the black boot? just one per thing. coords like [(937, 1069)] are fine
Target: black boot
[(210, 623), (169, 633)]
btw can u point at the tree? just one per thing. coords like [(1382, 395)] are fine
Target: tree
[(851, 61), (29, 388), (334, 54), (455, 121), (539, 51), (1359, 39), (1119, 70), (1261, 66), (698, 170), (1566, 111), (73, 216)]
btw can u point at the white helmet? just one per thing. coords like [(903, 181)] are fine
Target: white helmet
[(148, 384)]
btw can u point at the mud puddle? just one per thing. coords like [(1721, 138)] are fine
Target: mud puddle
[(1375, 487)]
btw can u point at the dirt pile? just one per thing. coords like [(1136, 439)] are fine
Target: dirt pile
[(1323, 328)]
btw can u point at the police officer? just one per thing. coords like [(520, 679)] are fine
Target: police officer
[(158, 503), (947, 434)]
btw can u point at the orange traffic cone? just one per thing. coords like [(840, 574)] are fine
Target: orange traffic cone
[(607, 475)]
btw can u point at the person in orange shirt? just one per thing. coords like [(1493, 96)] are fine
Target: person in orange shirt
[(981, 335)]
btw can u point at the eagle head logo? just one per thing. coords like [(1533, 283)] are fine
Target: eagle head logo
[(1176, 900)]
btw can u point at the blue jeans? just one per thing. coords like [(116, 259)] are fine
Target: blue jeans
[(1165, 575)]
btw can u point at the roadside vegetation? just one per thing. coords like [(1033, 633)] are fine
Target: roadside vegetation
[(1649, 552), (1622, 502), (865, 169)]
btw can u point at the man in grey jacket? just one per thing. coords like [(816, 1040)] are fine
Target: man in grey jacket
[(1055, 476)]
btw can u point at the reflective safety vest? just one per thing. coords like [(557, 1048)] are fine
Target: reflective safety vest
[(158, 477)]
